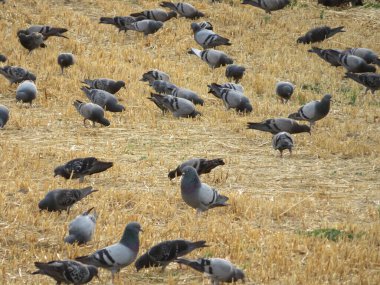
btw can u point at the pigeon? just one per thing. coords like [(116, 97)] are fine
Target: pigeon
[(231, 98), (319, 34), (267, 5), (4, 116), (232, 86), (179, 107), (67, 271), (26, 92), (213, 58), (109, 85), (31, 41), (367, 54), (187, 94), (217, 269), (199, 195), (65, 60), (167, 251), (313, 111), (106, 100), (282, 141), (156, 14), (120, 22), (118, 255), (163, 87), (370, 80), (81, 229), (63, 199), (47, 31), (284, 90), (207, 38), (355, 64), (278, 125), (92, 112), (183, 9), (206, 25), (16, 74), (153, 75), (145, 26), (201, 165), (336, 3), (235, 72), (3, 58), (329, 55), (80, 167)]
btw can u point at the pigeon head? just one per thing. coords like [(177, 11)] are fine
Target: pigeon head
[(31, 77), (93, 271), (172, 14), (22, 32), (189, 174), (244, 106), (370, 68), (130, 236), (327, 98), (120, 84), (87, 212), (195, 27), (239, 274), (60, 170), (301, 40), (142, 262), (44, 204)]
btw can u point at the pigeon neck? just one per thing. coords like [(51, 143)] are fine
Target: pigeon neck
[(191, 182), (130, 239)]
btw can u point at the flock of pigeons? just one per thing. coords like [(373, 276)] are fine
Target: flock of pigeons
[(181, 103)]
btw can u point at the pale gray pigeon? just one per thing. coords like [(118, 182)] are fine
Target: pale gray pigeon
[(92, 112), (187, 94), (67, 271), (267, 5), (201, 165), (183, 9), (355, 64), (82, 228), (106, 84), (207, 38), (156, 14), (31, 41), (179, 107), (104, 99), (80, 167), (119, 255), (26, 92), (145, 26), (370, 80), (213, 58), (231, 98), (16, 74), (284, 90), (282, 141), (319, 34), (199, 195), (217, 269), (153, 75), (329, 55), (47, 31), (235, 72), (313, 111), (278, 125), (3, 58), (167, 251), (367, 54), (120, 22), (65, 60), (4, 116), (163, 87), (63, 199)]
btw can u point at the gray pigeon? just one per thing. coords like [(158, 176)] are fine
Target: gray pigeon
[(3, 58), (267, 5), (119, 255), (163, 87), (207, 38), (92, 112), (213, 58), (232, 86), (120, 22), (329, 55), (63, 199), (199, 195), (105, 84), (167, 251), (31, 41), (231, 98), (4, 116), (106, 100), (156, 14), (65, 60), (201, 165), (278, 125), (184, 9), (337, 3), (370, 80), (80, 167), (319, 34), (217, 269), (206, 25), (47, 31), (26, 92), (355, 64), (284, 90), (179, 107), (313, 111), (282, 141), (235, 72), (16, 74), (187, 94), (367, 54), (153, 75), (145, 26), (67, 271), (82, 228)]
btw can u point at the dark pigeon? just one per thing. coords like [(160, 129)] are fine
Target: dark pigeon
[(370, 80), (213, 58), (201, 165), (282, 141), (65, 60), (337, 3), (268, 5), (105, 84), (319, 34), (47, 31), (184, 9), (278, 125), (4, 116), (31, 41), (329, 55), (235, 72), (156, 14), (106, 100), (207, 38), (16, 74), (92, 112), (3, 58), (26, 92)]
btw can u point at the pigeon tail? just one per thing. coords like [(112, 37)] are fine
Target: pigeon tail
[(85, 259), (191, 263), (101, 166), (169, 5), (336, 30), (295, 116), (107, 20), (88, 190), (220, 201), (197, 244), (250, 2)]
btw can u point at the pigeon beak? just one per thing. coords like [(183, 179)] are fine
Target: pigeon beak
[(88, 211), (141, 230)]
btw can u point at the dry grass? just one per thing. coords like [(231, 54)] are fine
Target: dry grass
[(332, 180)]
